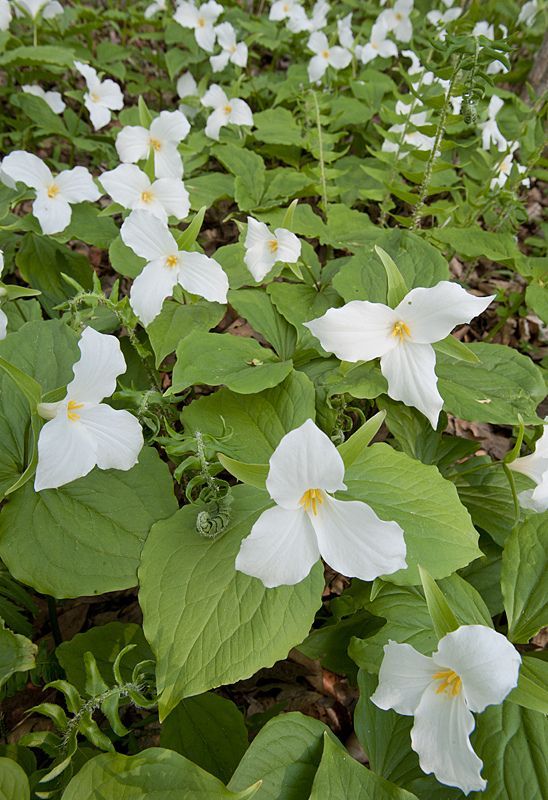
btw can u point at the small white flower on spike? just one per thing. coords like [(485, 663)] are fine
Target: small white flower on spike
[(397, 20), (54, 195), (3, 317), (101, 98), (153, 8), (225, 111), (82, 432), (53, 99), (298, 21), (167, 265), (336, 57), (473, 667), (401, 337), (377, 46), (490, 130), (264, 249), (5, 15), (307, 522), (131, 188), (201, 20), (283, 9), (535, 466), (47, 9), (134, 143), (232, 51)]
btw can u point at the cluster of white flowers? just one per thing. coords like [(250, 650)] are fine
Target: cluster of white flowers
[(202, 20)]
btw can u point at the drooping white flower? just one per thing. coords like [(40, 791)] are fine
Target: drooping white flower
[(504, 168), (3, 317), (233, 51), (263, 249), (101, 98), (378, 45), (473, 667), (153, 8), (134, 143), (54, 195), (131, 188), (528, 12), (53, 99), (535, 466), (225, 111), (401, 337), (299, 22), (283, 9), (490, 130), (307, 522), (396, 20), (82, 432), (336, 57), (201, 20), (47, 9), (5, 15), (167, 266)]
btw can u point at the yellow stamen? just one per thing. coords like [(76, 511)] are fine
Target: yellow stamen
[(71, 410), (401, 329), (311, 499), (272, 245), (155, 144), (398, 16), (228, 109), (325, 53), (147, 197), (200, 22), (450, 682), (95, 97), (172, 261), (53, 190)]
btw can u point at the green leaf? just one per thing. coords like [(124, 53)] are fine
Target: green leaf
[(450, 346), (524, 578), (475, 243), (252, 474), (299, 303), (351, 450), (194, 642), (124, 260), (176, 321), (209, 731), (17, 653), (31, 55), (256, 306), (89, 226), (206, 190), (40, 113), (27, 385), (187, 238), (397, 288), (86, 537), (249, 171), (277, 126), (531, 691), (145, 117), (14, 784), (443, 619)]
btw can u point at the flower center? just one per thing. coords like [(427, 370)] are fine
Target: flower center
[(228, 109), (401, 330), (232, 48), (71, 410), (311, 499), (286, 8), (272, 245), (155, 144), (95, 97), (325, 53), (147, 197), (450, 683), (53, 190), (398, 16), (172, 261), (200, 22)]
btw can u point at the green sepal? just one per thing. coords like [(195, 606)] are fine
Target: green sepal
[(456, 349), (186, 239), (397, 288), (252, 474), (352, 448), (287, 221), (443, 619), (145, 117)]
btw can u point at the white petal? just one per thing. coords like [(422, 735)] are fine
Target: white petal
[(205, 37), (53, 213), (204, 276), (65, 453), (168, 162), (259, 260), (387, 49), (211, 10), (216, 120), (440, 737), (214, 97), (132, 143), (55, 102), (88, 73), (535, 499), (316, 68), (431, 314), (173, 196), (98, 113), (3, 325), (257, 233), (187, 86), (240, 113), (403, 677), (339, 58), (52, 9), (359, 331), (27, 168), (240, 55), (485, 661), (355, 542), (117, 435), (110, 95), (289, 246), (219, 62), (534, 465), (304, 459), (125, 184), (318, 42), (226, 35), (147, 236), (77, 185), (281, 548), (150, 289), (186, 14), (409, 370), (95, 374), (170, 126)]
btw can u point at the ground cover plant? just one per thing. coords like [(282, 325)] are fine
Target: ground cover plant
[(273, 462)]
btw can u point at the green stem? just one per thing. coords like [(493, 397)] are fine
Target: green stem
[(510, 476), (320, 146)]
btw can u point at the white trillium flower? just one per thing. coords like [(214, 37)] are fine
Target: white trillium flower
[(225, 111), (298, 21), (336, 57), (101, 98), (201, 20), (131, 188), (535, 466), (473, 667), (34, 7), (53, 99), (283, 9), (82, 432), (232, 51), (396, 20), (528, 12), (153, 8), (167, 265), (490, 130), (3, 317), (134, 143), (5, 15), (344, 31), (263, 249), (401, 337), (378, 45), (307, 522), (54, 195)]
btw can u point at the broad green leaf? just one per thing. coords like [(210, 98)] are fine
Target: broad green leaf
[(443, 619), (397, 288), (299, 303), (249, 171), (40, 113), (476, 243), (277, 126), (348, 229), (124, 260), (257, 308), (194, 638), (205, 190), (532, 689), (27, 385), (175, 321), (524, 578), (89, 226), (39, 56), (208, 730), (352, 448), (453, 347), (14, 784), (252, 474), (17, 653)]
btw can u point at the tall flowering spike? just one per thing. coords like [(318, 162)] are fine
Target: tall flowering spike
[(198, 274), (225, 111), (101, 98), (535, 466), (325, 56), (131, 188), (264, 249), (232, 51), (82, 432), (135, 143), (473, 667), (401, 337), (307, 522), (53, 99), (54, 195), (201, 20)]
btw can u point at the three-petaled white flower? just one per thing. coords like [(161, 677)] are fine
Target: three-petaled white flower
[(82, 432), (134, 143), (377, 46), (101, 98), (131, 188), (401, 337), (48, 8), (307, 522), (336, 57), (473, 667), (233, 51), (283, 9), (225, 111), (263, 249), (53, 194), (53, 99), (201, 20), (167, 266), (490, 130), (298, 21), (397, 20), (535, 466)]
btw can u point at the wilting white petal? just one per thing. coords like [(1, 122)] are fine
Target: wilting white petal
[(53, 213), (77, 185), (403, 677), (204, 276), (150, 289), (281, 548), (117, 436), (216, 120), (100, 363), (359, 331), (409, 370), (125, 184), (168, 162), (240, 113), (27, 168), (65, 453), (289, 246), (170, 126), (147, 236), (132, 143), (173, 196)]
